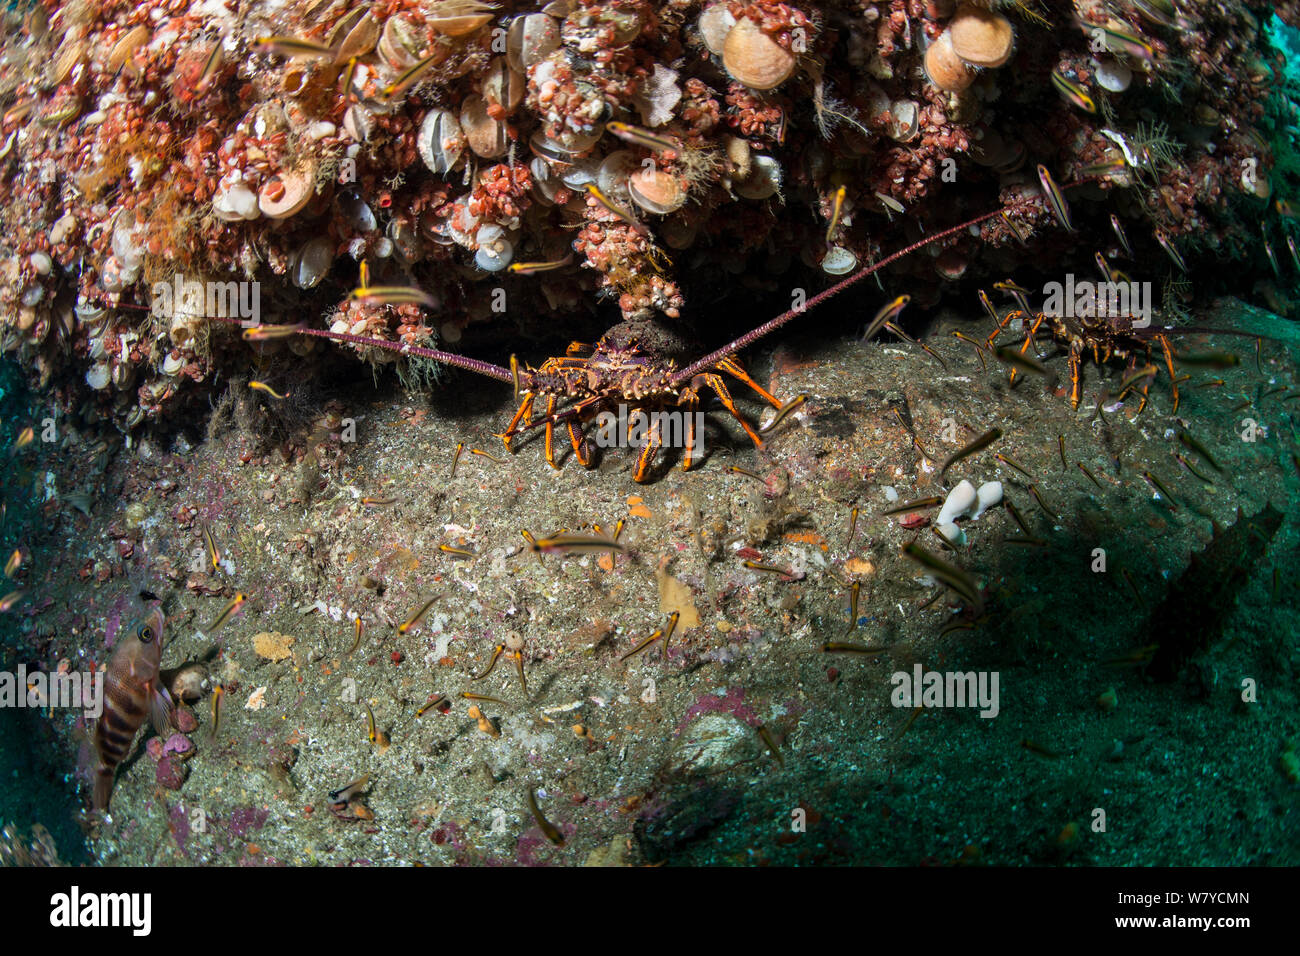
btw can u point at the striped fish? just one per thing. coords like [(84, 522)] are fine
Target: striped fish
[(132, 691)]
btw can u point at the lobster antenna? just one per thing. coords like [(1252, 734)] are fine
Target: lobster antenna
[(443, 358), (768, 328), (401, 348)]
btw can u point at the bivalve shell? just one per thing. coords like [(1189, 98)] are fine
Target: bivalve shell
[(531, 39), (285, 195), (904, 120), (485, 135), (839, 261), (502, 85), (714, 24), (656, 191), (755, 59), (399, 43), (441, 141), (98, 376), (944, 68), (981, 37), (312, 262), (764, 179)]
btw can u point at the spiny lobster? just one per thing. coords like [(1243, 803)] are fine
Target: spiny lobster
[(619, 370)]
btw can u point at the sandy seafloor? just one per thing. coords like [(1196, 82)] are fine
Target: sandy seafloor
[(658, 760)]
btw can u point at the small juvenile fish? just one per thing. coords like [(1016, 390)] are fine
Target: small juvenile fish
[(1073, 93), (949, 574), (770, 569), (1039, 749), (234, 605), (1191, 444), (1017, 517), (930, 502), (463, 553), (519, 669), (853, 526), (737, 470), (293, 46), (1159, 486), (853, 605), (1135, 379), (346, 792), (533, 268), (1103, 266), (1033, 490), (492, 662), (437, 701), (668, 633), (1012, 464), (1055, 199), (1013, 227), (641, 137), (1060, 447), (393, 295), (1009, 355), (1120, 235), (548, 829), (1083, 468), (214, 555), (356, 640), (841, 647), (1182, 460), (1287, 209), (345, 86), (14, 563), (10, 600), (370, 722), (783, 412), (259, 333), (1103, 169), (263, 387), (919, 344), (576, 544), (415, 618), (610, 206), (1216, 360), (210, 66), (482, 454), (1135, 658), (25, 438), (1272, 260), (214, 723), (642, 645), (768, 739), (467, 695), (460, 446), (887, 312), (1295, 253), (988, 305), (378, 502), (837, 207), (979, 444), (1167, 244), (411, 76), (1122, 41)]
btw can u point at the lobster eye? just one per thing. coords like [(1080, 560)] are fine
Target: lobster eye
[(145, 633)]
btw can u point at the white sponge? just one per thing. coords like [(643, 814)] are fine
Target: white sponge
[(959, 502), (990, 494)]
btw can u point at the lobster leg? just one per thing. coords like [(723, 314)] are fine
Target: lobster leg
[(715, 382), (550, 432), (652, 443), (1005, 319), (734, 369), (1169, 362), (688, 454), (1076, 379), (575, 438), (525, 409)]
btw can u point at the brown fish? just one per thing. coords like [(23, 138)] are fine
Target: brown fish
[(133, 690)]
